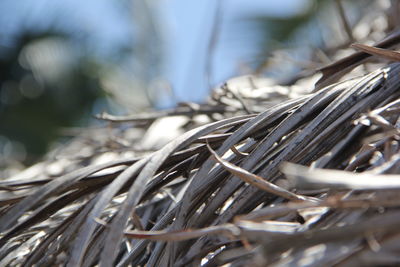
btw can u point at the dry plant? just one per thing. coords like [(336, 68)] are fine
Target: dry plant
[(221, 190)]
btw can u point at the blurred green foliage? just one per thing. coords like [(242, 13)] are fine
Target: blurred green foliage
[(33, 109)]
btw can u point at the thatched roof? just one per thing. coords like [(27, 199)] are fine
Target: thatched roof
[(221, 190)]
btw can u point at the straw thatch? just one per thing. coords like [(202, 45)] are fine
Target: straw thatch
[(221, 190)]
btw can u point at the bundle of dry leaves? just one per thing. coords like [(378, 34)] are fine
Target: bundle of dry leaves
[(245, 179)]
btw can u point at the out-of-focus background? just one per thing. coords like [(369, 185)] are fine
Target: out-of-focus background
[(63, 61)]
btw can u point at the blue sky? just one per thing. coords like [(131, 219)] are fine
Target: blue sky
[(191, 25), (187, 26)]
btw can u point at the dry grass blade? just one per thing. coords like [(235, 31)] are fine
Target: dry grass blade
[(374, 51), (336, 70), (188, 110), (385, 223), (228, 230), (303, 177), (256, 180)]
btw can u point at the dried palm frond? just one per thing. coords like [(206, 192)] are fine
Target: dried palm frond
[(214, 190), (112, 213)]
